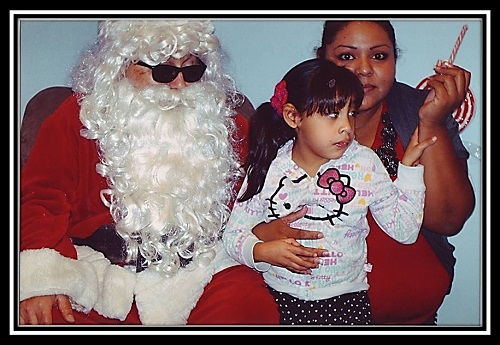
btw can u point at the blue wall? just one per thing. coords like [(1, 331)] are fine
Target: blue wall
[(261, 51)]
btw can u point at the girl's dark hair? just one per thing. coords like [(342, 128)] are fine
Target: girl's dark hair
[(332, 27), (315, 85)]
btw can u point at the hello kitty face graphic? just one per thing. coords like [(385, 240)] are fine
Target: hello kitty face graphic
[(332, 180)]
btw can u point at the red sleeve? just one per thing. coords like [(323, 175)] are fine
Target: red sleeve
[(59, 184), (242, 136), (241, 145)]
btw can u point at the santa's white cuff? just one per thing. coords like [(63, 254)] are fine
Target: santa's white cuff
[(46, 272), (116, 284)]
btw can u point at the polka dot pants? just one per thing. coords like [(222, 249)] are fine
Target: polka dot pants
[(349, 309)]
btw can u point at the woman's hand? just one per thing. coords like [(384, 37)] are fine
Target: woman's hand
[(449, 196), (38, 310), (449, 89)]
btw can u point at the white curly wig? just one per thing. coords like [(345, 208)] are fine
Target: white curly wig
[(168, 155), (122, 42)]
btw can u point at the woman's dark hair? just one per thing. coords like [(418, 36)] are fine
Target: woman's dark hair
[(312, 86), (332, 27)]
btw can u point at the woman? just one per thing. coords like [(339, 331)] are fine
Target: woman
[(408, 290)]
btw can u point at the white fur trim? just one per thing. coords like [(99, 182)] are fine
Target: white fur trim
[(92, 282), (46, 272), (116, 284), (169, 301)]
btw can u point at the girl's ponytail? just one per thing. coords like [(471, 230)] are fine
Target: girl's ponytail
[(268, 132)]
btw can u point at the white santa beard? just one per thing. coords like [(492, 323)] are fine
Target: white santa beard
[(170, 168)]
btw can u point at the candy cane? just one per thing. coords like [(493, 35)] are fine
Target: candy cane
[(464, 113), (457, 43)]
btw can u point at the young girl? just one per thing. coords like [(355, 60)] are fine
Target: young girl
[(303, 153)]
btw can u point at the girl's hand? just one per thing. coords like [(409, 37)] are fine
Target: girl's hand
[(287, 253), (280, 229), (415, 149)]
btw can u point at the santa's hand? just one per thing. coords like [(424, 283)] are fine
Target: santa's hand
[(38, 310), (280, 228)]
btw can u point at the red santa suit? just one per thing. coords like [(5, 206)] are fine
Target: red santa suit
[(60, 201)]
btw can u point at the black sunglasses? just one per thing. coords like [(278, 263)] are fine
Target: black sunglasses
[(167, 73)]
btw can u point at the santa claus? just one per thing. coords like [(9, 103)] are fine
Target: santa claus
[(129, 185)]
